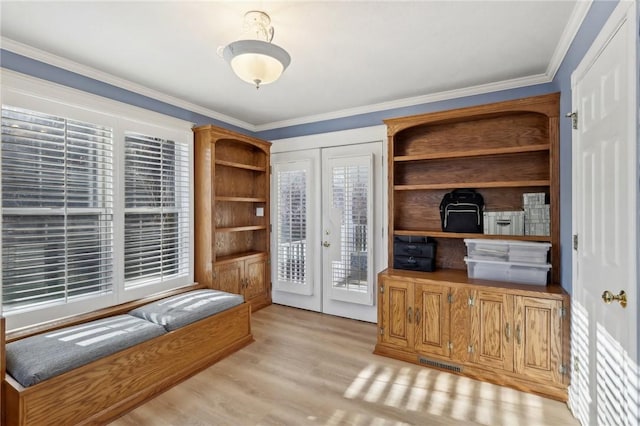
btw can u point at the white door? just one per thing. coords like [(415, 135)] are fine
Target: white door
[(604, 385), (348, 220), (295, 243), (327, 225)]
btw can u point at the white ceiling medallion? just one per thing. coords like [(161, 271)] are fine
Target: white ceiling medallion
[(254, 58)]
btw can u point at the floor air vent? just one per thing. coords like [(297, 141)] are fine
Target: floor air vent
[(439, 364)]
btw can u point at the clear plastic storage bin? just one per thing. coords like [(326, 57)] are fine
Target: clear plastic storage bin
[(507, 250), (524, 273)]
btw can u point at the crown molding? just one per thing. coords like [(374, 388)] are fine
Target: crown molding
[(578, 14), (408, 102), (75, 67)]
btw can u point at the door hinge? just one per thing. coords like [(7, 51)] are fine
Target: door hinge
[(471, 301), (574, 118), (270, 228), (562, 369), (575, 242), (382, 288), (450, 298), (470, 349), (450, 346), (270, 169), (563, 312), (215, 276), (382, 331)]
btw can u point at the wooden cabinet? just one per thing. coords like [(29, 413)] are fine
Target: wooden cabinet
[(415, 316), (491, 329), (502, 150), (246, 277), (232, 213), (432, 318), (513, 335), (538, 351)]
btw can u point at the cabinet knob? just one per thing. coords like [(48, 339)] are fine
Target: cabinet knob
[(326, 244)]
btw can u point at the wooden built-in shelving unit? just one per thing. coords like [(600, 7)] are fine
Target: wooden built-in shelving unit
[(506, 333), (232, 240)]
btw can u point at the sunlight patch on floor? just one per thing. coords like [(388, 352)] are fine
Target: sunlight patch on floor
[(442, 394)]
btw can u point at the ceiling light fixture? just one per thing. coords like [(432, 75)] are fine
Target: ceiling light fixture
[(255, 59)]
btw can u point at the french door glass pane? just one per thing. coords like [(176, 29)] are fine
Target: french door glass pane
[(350, 186), (292, 226)]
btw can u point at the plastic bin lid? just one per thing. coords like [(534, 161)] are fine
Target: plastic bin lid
[(506, 242), (500, 262)]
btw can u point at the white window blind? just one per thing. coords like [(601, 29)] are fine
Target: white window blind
[(157, 185), (292, 225), (57, 209)]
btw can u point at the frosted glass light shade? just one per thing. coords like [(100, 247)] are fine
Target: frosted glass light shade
[(256, 61)]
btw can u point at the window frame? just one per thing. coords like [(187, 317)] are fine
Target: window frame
[(38, 95)]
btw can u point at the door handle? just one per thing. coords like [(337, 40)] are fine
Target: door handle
[(409, 314), (326, 244), (417, 316), (507, 331), (609, 297), (518, 334)]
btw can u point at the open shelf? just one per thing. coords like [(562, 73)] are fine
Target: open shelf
[(239, 256), (241, 229), (501, 184), (472, 153), (458, 235), (240, 165), (241, 199)]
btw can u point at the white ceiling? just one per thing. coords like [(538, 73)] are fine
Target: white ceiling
[(347, 56)]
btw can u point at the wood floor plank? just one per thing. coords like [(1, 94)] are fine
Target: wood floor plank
[(307, 368)]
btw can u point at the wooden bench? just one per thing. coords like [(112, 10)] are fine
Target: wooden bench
[(105, 389)]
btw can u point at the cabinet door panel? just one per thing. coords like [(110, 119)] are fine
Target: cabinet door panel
[(432, 319), (396, 319), (228, 277), (538, 351), (255, 282), (491, 342)]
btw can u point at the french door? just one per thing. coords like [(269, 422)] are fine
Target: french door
[(327, 228)]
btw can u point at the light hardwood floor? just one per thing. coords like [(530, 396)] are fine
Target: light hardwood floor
[(307, 368)]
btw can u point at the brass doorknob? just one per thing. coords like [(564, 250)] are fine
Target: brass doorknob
[(609, 297)]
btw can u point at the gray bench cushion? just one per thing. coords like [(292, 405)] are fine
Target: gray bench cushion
[(177, 311), (43, 356)]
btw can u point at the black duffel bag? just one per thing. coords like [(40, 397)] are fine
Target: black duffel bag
[(461, 210)]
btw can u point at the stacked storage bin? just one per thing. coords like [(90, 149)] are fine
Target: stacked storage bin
[(514, 261), (414, 253), (537, 219)]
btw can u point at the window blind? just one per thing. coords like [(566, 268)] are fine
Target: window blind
[(156, 209), (292, 225), (57, 208)]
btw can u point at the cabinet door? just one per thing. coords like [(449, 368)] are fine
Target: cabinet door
[(538, 338), (491, 339), (431, 316), (397, 313), (229, 276), (255, 279)]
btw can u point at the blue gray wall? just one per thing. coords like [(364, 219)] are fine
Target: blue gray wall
[(595, 19)]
